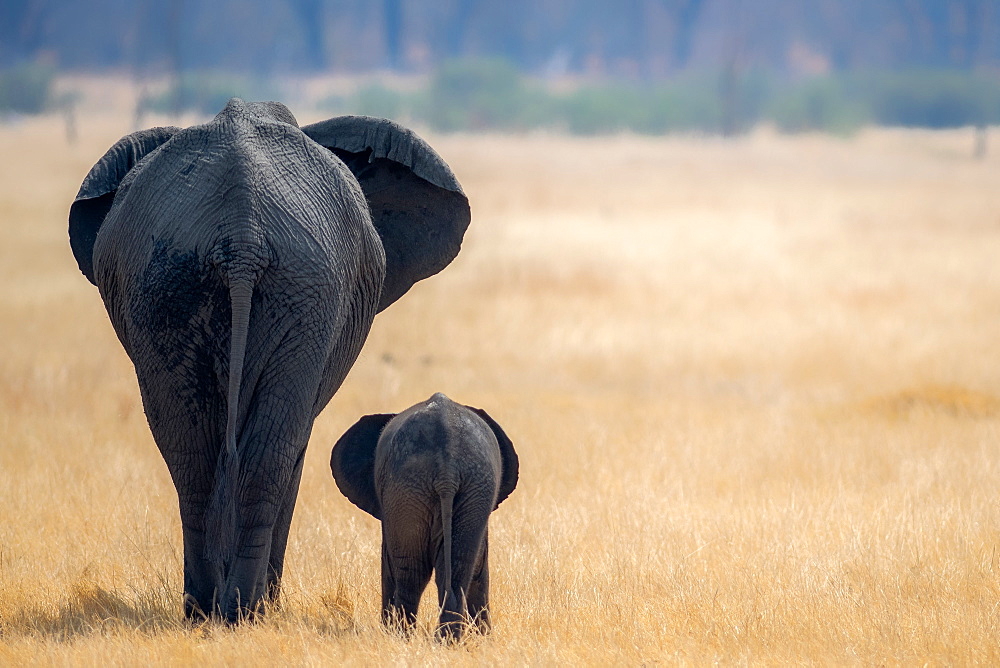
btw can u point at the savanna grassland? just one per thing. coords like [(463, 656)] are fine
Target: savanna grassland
[(754, 385)]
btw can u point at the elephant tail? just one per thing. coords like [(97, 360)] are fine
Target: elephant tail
[(221, 518), (447, 498)]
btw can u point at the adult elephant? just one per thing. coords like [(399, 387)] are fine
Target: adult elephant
[(241, 263)]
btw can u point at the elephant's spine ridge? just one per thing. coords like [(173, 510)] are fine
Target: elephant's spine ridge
[(221, 518)]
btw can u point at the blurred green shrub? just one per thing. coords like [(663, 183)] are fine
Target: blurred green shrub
[(481, 95), (26, 88), (693, 104), (377, 100), (206, 93), (819, 104), (933, 99), (598, 110)]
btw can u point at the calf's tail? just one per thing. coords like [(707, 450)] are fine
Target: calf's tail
[(452, 602)]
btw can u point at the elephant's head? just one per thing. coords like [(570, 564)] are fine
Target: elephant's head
[(353, 460), (416, 203)]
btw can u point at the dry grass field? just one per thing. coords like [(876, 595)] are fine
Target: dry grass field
[(754, 385)]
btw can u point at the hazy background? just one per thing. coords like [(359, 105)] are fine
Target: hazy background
[(591, 67)]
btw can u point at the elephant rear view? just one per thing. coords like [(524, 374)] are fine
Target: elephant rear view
[(432, 474), (241, 263)]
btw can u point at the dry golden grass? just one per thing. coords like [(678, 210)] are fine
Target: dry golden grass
[(753, 384)]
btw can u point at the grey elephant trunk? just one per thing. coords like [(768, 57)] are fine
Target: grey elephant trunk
[(221, 519)]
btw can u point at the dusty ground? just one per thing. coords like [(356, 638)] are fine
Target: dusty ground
[(754, 385)]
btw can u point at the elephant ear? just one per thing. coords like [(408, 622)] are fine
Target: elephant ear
[(508, 457), (416, 203), (97, 193), (353, 462)]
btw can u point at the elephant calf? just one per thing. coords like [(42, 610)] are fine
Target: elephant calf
[(432, 474)]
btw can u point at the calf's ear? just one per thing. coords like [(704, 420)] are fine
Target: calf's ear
[(508, 457), (97, 193), (416, 203), (352, 462)]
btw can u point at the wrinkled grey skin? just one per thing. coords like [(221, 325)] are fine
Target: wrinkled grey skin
[(432, 474), (241, 263)]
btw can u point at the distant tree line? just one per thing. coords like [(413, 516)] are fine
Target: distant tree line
[(492, 95)]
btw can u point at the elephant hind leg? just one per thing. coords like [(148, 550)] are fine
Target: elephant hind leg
[(478, 595), (279, 537), (272, 443), (406, 570), (202, 579)]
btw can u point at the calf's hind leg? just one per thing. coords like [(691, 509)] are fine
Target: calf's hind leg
[(406, 570)]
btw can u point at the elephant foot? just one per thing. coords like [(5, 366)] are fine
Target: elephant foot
[(234, 609), (193, 610), (272, 594), (481, 623), (239, 614), (399, 621), (452, 627)]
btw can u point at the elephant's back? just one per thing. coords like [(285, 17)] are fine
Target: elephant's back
[(228, 181), (439, 443), (230, 189)]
